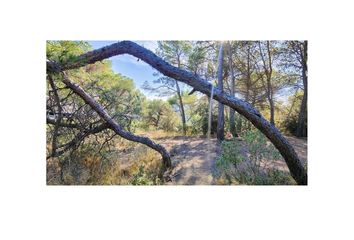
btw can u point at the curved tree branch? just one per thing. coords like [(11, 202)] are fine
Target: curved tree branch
[(113, 124), (127, 47)]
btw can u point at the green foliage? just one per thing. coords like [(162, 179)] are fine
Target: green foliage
[(62, 51), (290, 120), (259, 147), (231, 152), (159, 114), (173, 51), (244, 162), (196, 58), (144, 178), (290, 124), (115, 92), (195, 110), (277, 177)]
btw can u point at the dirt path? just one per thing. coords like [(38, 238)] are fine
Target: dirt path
[(193, 159)]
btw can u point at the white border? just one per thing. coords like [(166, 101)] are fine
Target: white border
[(31, 210)]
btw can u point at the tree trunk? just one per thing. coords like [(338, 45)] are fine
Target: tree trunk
[(232, 111), (270, 86), (270, 99), (239, 124), (127, 47), (268, 72), (246, 124), (301, 129), (221, 118), (271, 103), (181, 108)]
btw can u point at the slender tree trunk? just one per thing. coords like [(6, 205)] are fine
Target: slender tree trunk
[(239, 124), (248, 84), (270, 99), (181, 108), (271, 103), (268, 73), (270, 87), (248, 77), (232, 111), (293, 162), (221, 119), (181, 105), (301, 129)]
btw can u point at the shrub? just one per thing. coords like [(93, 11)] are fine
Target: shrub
[(144, 178), (259, 147), (245, 162), (230, 153)]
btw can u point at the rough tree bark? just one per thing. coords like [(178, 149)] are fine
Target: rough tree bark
[(221, 118), (232, 111), (113, 124), (127, 47), (248, 84)]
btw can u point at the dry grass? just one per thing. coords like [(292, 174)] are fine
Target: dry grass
[(117, 167), (157, 134), (141, 157)]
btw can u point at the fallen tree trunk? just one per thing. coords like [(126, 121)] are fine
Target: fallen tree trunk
[(114, 125), (127, 47)]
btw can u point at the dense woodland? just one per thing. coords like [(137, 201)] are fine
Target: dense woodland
[(93, 145)]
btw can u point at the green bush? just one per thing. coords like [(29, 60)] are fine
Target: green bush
[(230, 153), (242, 162), (259, 147), (144, 178)]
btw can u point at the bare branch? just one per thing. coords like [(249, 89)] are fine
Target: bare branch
[(56, 127), (113, 124)]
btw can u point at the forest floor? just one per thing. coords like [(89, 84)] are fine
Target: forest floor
[(194, 159)]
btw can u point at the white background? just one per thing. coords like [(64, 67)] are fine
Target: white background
[(31, 210)]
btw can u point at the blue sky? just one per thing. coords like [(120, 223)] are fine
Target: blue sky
[(128, 65), (139, 71)]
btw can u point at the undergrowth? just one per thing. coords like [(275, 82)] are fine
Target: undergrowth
[(250, 162), (130, 164)]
